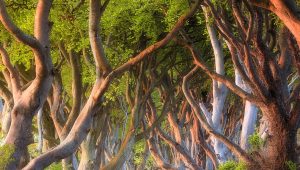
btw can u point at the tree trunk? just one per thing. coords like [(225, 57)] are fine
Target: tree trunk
[(250, 114), (289, 14), (27, 102), (20, 136), (280, 143), (219, 91), (82, 124), (40, 130), (6, 117), (88, 146), (87, 156), (249, 122)]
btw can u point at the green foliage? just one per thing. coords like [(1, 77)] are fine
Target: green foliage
[(32, 149), (150, 163), (138, 150), (2, 67), (176, 9), (229, 165), (55, 166), (20, 54), (6, 152), (66, 75), (255, 141), (116, 89), (156, 99), (232, 165), (88, 73), (70, 26), (116, 113), (148, 20), (291, 165)]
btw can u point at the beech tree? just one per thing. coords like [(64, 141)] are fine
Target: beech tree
[(149, 84)]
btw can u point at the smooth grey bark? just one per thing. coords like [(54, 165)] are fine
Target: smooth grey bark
[(88, 146), (6, 117), (219, 90), (40, 130), (234, 148), (123, 155), (250, 114)]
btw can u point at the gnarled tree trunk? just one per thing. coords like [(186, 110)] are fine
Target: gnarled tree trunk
[(29, 101)]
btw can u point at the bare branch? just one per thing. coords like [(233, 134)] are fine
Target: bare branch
[(232, 86), (155, 122), (84, 120), (182, 150), (80, 3), (76, 92), (42, 26), (64, 52), (241, 20), (14, 30), (103, 7), (286, 11), (157, 157), (4, 92), (95, 39), (240, 153), (262, 4), (14, 76)]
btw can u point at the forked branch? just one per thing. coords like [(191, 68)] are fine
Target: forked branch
[(239, 152)]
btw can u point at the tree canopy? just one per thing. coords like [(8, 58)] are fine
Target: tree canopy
[(149, 84)]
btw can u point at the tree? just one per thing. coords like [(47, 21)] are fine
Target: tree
[(270, 87), (129, 85), (28, 102)]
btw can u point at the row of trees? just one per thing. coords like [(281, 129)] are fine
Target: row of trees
[(150, 84)]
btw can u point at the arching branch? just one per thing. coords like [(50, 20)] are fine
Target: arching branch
[(95, 39), (76, 92), (230, 84), (287, 11), (14, 30), (232, 146), (14, 76), (84, 120)]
